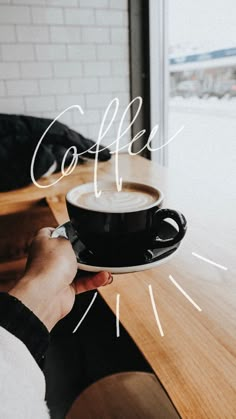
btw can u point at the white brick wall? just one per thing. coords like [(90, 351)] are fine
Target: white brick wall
[(97, 68), (114, 17), (81, 53), (68, 69), (79, 17), (36, 71), (9, 71), (19, 87), (65, 34), (14, 14), (95, 35), (50, 52), (17, 52), (2, 88), (55, 86), (47, 15), (32, 33), (85, 85), (56, 53), (7, 33)]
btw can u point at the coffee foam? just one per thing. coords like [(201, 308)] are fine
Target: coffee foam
[(110, 200)]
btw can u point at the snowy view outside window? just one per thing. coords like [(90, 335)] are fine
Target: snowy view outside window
[(202, 86)]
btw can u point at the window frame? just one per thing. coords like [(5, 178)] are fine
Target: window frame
[(149, 73), (159, 76)]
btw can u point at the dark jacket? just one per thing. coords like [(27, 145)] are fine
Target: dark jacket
[(19, 136)]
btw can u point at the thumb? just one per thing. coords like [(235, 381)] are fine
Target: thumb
[(91, 281)]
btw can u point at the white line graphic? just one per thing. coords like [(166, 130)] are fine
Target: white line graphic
[(184, 293), (118, 315), (209, 261), (86, 312), (155, 311)]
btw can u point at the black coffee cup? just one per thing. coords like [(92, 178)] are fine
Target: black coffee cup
[(118, 222)]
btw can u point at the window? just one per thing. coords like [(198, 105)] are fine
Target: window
[(193, 82)]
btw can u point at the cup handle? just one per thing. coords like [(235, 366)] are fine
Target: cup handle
[(67, 231), (162, 214)]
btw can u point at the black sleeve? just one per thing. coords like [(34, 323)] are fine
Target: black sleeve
[(22, 322)]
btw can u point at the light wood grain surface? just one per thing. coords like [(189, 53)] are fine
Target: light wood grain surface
[(128, 395), (195, 360)]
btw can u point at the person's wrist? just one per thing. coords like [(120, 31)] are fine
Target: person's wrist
[(30, 294)]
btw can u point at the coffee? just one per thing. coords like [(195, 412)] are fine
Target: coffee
[(127, 200)]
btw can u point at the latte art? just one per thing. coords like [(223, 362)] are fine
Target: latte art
[(113, 201)]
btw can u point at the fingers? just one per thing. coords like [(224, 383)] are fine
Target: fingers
[(45, 232), (91, 281)]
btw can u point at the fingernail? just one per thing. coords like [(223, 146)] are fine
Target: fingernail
[(110, 279)]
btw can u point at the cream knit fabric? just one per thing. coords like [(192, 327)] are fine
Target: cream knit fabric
[(22, 383)]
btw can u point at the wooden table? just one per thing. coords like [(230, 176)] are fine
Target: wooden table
[(195, 360), (132, 395)]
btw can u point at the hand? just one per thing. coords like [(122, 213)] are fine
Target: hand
[(49, 285)]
